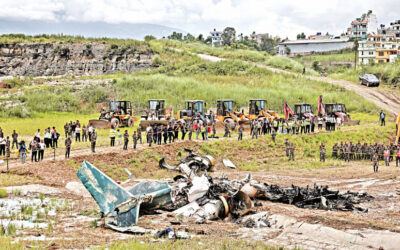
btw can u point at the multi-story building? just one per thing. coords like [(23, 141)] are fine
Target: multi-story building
[(366, 51), (216, 38), (258, 37), (361, 27), (386, 51), (395, 27)]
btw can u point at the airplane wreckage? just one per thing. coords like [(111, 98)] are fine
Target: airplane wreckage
[(194, 193)]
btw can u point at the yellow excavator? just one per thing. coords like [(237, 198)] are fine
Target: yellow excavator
[(225, 113), (119, 114), (156, 113), (258, 109)]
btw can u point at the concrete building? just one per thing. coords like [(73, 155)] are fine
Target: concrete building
[(258, 37), (361, 27), (306, 47), (386, 51), (366, 51), (395, 27), (216, 38)]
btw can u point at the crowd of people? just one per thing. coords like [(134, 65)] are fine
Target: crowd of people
[(176, 131)]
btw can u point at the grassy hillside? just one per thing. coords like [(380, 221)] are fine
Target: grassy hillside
[(345, 57)]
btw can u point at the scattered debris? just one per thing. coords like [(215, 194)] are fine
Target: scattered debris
[(196, 194), (227, 163)]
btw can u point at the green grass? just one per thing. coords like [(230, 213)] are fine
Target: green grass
[(195, 243), (3, 193), (345, 57), (275, 88)]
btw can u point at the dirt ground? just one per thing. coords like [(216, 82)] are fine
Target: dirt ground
[(74, 228)]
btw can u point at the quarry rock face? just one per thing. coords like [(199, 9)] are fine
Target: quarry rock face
[(50, 59)]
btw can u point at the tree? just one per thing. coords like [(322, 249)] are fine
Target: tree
[(189, 37), (229, 35), (200, 38), (287, 50), (268, 45), (175, 36), (301, 36), (149, 38), (208, 40)]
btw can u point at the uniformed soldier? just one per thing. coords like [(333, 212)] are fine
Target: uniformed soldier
[(126, 140), (93, 140), (241, 129), (341, 151), (14, 137), (68, 143), (254, 133), (139, 134), (358, 151), (347, 151), (134, 139), (335, 150), (375, 163), (149, 135), (287, 146), (214, 130), (291, 152), (273, 135), (322, 152), (227, 129)]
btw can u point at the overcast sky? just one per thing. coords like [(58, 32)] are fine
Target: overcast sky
[(278, 17)]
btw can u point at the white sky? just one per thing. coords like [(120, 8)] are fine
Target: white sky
[(277, 17)]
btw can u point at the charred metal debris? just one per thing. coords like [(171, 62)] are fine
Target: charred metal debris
[(194, 193)]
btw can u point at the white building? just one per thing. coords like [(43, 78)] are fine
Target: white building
[(216, 38), (395, 27), (363, 26), (306, 47), (366, 51)]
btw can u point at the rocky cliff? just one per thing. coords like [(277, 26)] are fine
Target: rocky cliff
[(48, 59)]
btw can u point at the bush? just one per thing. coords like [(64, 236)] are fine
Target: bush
[(3, 193)]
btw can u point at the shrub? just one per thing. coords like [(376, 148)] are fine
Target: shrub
[(3, 193)]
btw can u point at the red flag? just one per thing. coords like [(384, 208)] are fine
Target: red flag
[(288, 111)]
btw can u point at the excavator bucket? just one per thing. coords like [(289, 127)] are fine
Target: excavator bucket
[(100, 124)]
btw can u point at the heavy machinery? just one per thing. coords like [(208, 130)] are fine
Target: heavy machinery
[(303, 111), (335, 110), (225, 113), (258, 110), (156, 114), (120, 114), (194, 110)]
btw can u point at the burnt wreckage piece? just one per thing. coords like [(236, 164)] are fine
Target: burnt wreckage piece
[(319, 197)]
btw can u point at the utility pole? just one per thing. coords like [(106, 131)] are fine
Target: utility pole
[(7, 163)]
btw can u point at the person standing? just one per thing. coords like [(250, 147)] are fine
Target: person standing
[(165, 134), (196, 128), (119, 137), (54, 138), (183, 131), (214, 130), (126, 140), (206, 128), (291, 152), (254, 132), (78, 131), (322, 153), (273, 134), (149, 135), (66, 129), (93, 139), (176, 133), (112, 135), (335, 149), (22, 151), (382, 117), (319, 123), (8, 147), (33, 147), (41, 147), (134, 139), (2, 145), (287, 146), (37, 134), (68, 143), (170, 133), (90, 131), (84, 133), (190, 129), (375, 162), (14, 137), (386, 155), (227, 129), (241, 129), (139, 134)]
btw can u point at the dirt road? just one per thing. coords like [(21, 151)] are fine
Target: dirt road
[(384, 99)]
